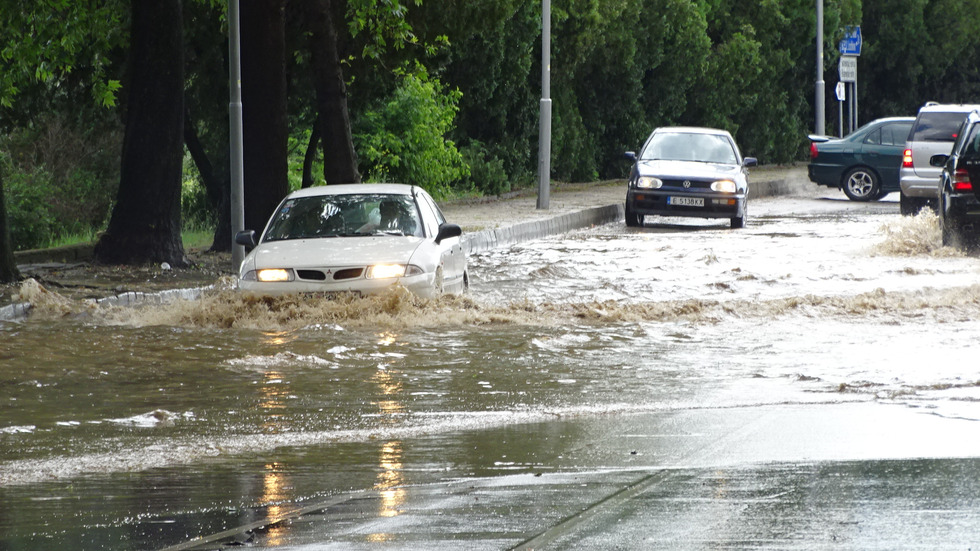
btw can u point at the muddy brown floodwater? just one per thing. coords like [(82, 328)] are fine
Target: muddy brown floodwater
[(139, 427)]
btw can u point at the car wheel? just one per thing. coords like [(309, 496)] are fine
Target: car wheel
[(910, 206), (948, 225), (861, 184), (633, 220), (739, 221)]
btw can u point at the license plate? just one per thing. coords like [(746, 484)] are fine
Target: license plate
[(686, 201)]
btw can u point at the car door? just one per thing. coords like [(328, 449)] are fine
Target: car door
[(882, 151), (451, 249)]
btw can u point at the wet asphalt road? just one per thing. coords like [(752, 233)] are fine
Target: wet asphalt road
[(847, 476), (855, 473)]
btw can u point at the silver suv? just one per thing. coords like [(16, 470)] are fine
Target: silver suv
[(933, 133)]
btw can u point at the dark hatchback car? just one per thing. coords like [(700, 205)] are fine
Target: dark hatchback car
[(687, 171), (959, 187), (864, 164)]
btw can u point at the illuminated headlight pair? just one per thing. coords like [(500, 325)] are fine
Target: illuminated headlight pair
[(387, 271), (724, 186), (378, 271)]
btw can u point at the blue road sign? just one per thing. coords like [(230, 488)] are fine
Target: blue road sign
[(851, 43)]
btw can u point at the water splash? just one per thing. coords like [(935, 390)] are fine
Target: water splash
[(917, 235)]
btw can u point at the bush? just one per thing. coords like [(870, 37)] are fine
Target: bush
[(28, 213), (487, 172), (403, 139)]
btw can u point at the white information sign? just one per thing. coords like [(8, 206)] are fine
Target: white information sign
[(848, 68)]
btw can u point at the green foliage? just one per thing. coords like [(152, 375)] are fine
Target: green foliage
[(487, 172), (63, 172), (32, 224), (403, 138)]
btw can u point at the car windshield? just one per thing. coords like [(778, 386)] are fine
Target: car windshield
[(345, 216), (684, 146)]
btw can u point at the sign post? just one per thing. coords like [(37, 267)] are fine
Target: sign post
[(850, 49), (841, 96)]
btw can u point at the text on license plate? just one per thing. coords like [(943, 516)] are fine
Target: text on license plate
[(686, 201)]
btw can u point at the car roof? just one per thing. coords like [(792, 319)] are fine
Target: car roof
[(693, 130), (895, 119), (348, 189), (949, 107)]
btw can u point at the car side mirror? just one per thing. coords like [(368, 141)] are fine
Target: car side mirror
[(938, 160), (750, 161), (631, 155), (448, 230), (246, 238)]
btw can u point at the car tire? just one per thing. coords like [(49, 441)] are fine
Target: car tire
[(861, 184), (910, 206), (738, 222), (633, 220), (949, 227)]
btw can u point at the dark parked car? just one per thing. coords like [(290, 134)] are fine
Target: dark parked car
[(865, 163), (684, 171), (959, 186)]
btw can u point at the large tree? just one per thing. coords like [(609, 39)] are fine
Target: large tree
[(145, 222), (265, 129), (333, 120), (8, 266)]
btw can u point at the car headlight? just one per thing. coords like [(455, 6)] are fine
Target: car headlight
[(272, 275), (386, 271), (724, 186), (649, 182)]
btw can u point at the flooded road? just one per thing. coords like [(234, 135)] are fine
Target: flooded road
[(141, 428)]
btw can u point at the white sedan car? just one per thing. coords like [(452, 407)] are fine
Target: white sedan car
[(358, 238)]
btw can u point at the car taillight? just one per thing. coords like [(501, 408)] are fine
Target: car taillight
[(907, 159), (961, 180), (813, 150)]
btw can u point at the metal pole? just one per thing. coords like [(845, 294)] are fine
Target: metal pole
[(818, 103), (544, 133), (236, 144)]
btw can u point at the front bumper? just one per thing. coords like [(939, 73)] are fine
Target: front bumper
[(658, 202), (422, 285)]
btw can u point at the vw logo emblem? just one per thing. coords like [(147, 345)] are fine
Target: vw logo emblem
[(687, 183)]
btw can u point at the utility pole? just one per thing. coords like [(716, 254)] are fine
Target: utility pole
[(544, 133), (818, 102), (235, 115)]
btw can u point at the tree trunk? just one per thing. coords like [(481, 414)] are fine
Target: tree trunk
[(8, 265), (218, 188), (310, 157), (263, 109), (145, 222), (339, 157)]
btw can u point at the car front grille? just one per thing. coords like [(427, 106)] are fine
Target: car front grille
[(320, 275)]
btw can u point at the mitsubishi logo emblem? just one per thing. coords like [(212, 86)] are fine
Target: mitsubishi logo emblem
[(687, 183)]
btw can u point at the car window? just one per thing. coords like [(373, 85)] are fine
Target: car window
[(873, 137), (971, 149), (344, 216), (937, 126), (895, 133), (684, 146)]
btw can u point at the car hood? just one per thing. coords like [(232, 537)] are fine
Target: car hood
[(687, 169), (334, 251)]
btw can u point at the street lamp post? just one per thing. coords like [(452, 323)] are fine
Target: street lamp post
[(235, 116), (544, 133), (818, 102)]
